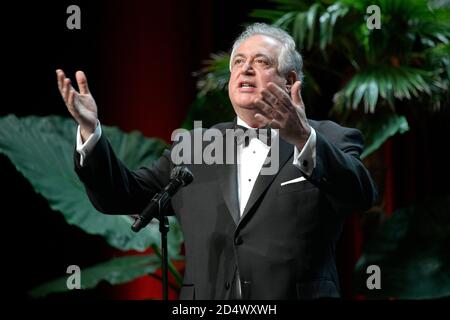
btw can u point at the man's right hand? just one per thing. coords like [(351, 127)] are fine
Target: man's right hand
[(81, 105)]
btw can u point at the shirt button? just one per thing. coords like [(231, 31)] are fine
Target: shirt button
[(238, 241), (227, 285), (305, 163)]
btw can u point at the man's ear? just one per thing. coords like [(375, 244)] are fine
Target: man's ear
[(291, 78)]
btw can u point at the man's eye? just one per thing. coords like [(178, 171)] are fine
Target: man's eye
[(238, 61), (262, 61)]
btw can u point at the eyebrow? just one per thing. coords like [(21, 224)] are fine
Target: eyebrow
[(238, 55), (258, 55)]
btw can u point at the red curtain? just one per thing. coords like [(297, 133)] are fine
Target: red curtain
[(149, 51)]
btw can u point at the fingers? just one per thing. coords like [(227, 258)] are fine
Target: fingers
[(82, 82), (60, 76), (267, 110), (70, 100), (275, 106), (279, 94), (267, 121), (66, 89), (263, 119), (273, 101), (269, 97), (64, 84)]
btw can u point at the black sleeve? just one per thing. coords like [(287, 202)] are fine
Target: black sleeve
[(340, 173), (112, 187)]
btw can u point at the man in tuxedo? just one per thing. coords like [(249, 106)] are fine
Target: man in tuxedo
[(247, 235)]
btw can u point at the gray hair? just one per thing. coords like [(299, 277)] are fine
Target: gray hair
[(289, 58)]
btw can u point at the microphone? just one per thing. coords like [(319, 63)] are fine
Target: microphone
[(180, 176)]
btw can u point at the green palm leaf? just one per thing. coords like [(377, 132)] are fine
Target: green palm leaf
[(384, 82), (379, 127), (116, 271), (214, 75)]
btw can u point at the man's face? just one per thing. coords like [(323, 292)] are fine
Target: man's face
[(254, 65)]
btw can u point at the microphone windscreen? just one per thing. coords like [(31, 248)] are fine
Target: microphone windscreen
[(183, 174)]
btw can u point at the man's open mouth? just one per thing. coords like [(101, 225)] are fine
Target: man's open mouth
[(246, 84)]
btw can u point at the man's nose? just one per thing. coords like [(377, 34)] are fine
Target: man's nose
[(247, 68)]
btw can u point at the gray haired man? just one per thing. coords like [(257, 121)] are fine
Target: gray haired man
[(247, 235)]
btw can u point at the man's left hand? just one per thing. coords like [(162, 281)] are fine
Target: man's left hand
[(286, 113)]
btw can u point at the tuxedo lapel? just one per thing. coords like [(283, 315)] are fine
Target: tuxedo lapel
[(264, 181), (227, 175), (228, 183)]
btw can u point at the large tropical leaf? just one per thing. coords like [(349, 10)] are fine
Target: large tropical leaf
[(212, 104), (310, 24), (412, 251), (215, 74), (380, 127), (383, 82), (115, 271), (41, 148)]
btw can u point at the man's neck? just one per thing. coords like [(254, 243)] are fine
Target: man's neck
[(241, 122), (248, 124)]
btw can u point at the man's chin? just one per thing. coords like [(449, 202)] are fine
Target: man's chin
[(246, 104)]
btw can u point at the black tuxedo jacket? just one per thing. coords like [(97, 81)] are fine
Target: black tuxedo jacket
[(283, 246)]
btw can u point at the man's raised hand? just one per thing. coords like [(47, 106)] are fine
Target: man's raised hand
[(286, 113), (81, 105)]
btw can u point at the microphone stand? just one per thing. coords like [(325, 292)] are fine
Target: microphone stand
[(180, 177), (164, 229)]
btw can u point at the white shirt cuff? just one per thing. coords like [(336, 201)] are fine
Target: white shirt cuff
[(85, 148), (305, 159)]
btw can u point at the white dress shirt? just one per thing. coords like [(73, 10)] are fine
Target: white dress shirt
[(250, 158), (85, 148)]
